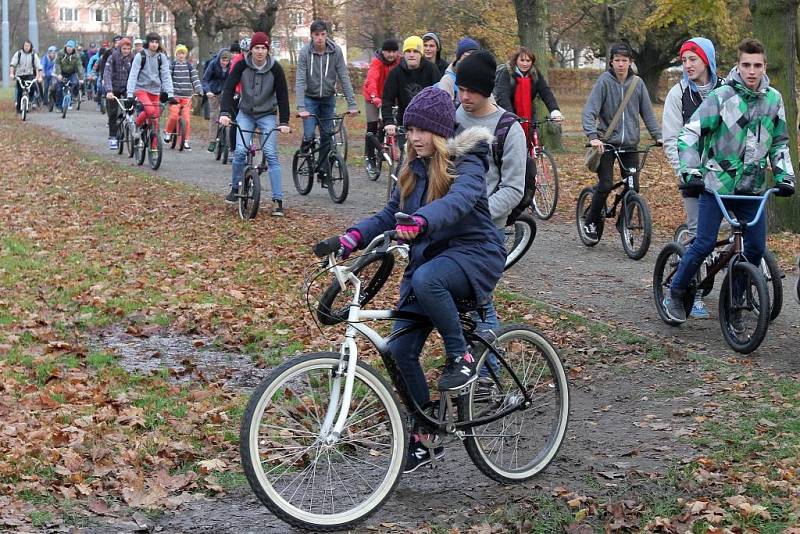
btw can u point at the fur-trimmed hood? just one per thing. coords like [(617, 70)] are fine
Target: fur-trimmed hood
[(468, 140)]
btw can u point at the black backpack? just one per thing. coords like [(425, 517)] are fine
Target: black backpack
[(500, 133)]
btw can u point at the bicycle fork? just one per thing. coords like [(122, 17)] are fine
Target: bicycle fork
[(330, 432)]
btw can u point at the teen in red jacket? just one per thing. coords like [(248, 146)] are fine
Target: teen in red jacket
[(387, 58)]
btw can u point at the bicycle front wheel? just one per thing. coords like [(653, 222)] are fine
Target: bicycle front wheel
[(121, 130), (140, 148), (250, 194), (315, 481), (339, 183), (545, 198), (520, 445), (23, 107), (155, 150), (341, 142), (636, 227), (519, 238), (303, 172), (181, 134), (744, 309), (130, 140)]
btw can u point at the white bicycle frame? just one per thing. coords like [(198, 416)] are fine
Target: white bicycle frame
[(25, 100), (331, 431)]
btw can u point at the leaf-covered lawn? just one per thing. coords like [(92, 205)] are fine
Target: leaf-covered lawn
[(85, 244)]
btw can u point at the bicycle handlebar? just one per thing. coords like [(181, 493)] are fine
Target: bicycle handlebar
[(620, 150), (735, 223)]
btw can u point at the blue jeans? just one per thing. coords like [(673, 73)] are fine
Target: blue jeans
[(73, 83), (324, 108), (491, 323), (47, 81), (436, 285), (264, 124), (709, 218)]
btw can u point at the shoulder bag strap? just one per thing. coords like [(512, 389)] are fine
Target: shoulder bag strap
[(618, 114)]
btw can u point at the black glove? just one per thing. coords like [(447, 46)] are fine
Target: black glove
[(693, 186), (172, 100), (130, 101), (785, 188)]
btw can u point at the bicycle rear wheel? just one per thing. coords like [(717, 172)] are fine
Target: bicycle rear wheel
[(681, 234), (664, 270), (744, 314), (339, 181), (774, 277), (305, 479), (581, 212), (250, 194), (545, 198), (303, 172), (520, 445), (155, 150), (519, 237), (636, 226)]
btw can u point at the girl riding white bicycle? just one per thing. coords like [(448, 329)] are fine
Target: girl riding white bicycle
[(457, 254)]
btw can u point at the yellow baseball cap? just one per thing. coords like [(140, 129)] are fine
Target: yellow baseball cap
[(413, 43)]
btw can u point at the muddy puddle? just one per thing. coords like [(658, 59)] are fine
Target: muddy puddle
[(186, 358)]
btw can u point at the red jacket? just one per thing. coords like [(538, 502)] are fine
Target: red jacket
[(234, 60), (376, 76)]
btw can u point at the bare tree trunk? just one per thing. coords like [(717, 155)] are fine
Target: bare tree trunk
[(205, 42), (183, 27), (775, 24), (142, 18), (531, 26)]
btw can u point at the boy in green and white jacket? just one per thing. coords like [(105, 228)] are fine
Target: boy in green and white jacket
[(724, 148)]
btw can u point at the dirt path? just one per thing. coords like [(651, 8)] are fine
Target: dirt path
[(627, 414)]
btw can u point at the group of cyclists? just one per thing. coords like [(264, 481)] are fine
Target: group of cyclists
[(458, 184)]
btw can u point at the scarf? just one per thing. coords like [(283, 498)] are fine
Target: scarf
[(523, 101)]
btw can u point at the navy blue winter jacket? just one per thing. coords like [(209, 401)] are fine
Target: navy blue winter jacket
[(459, 225)]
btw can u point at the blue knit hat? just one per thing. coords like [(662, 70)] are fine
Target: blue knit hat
[(432, 110), (466, 44), (69, 44)]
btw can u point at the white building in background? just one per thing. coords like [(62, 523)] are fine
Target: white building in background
[(291, 32), (97, 21)]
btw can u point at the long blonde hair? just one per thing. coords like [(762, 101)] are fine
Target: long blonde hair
[(440, 171)]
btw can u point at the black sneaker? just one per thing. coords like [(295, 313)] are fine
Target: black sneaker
[(458, 372), (590, 230), (419, 455), (277, 208), (323, 180), (231, 197), (673, 307)]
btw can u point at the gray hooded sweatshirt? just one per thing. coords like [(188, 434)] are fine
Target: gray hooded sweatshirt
[(604, 100), (150, 78), (317, 74), (504, 195)]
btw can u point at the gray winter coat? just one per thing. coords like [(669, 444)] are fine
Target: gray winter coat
[(604, 100), (317, 74)]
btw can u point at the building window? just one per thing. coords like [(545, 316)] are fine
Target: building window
[(296, 18), (159, 16), (68, 14), (101, 15)]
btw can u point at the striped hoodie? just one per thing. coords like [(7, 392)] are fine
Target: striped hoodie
[(185, 81)]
